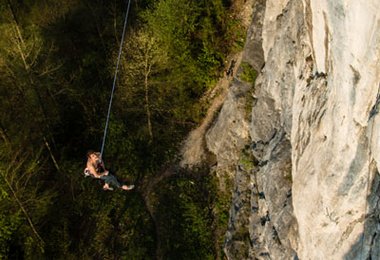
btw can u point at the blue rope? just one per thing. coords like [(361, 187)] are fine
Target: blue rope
[(114, 79)]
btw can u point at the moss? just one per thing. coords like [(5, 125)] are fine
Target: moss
[(288, 172), (289, 177), (248, 106), (242, 234), (248, 73), (241, 241), (246, 159), (236, 35)]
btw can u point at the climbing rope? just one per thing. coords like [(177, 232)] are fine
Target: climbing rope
[(114, 80)]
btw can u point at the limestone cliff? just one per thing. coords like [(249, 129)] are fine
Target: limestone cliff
[(305, 164)]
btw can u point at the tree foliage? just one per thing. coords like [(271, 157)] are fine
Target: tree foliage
[(57, 60)]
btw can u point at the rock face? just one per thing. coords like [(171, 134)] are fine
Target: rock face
[(333, 131), (306, 179)]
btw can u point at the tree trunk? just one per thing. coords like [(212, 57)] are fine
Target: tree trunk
[(147, 105), (20, 47)]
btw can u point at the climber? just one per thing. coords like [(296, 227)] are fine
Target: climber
[(95, 168)]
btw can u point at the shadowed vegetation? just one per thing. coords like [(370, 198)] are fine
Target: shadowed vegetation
[(57, 60)]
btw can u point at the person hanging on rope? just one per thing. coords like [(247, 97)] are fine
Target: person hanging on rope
[(95, 168)]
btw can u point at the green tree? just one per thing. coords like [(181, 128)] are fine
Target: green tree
[(28, 112), (27, 80), (55, 77), (144, 59), (23, 199)]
